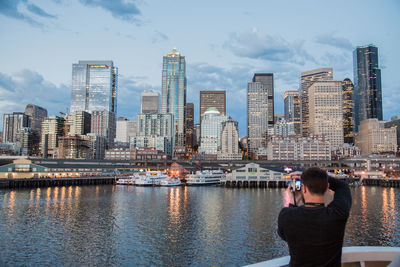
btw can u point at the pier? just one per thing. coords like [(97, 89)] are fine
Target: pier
[(47, 182)]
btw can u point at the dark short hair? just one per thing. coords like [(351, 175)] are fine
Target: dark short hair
[(316, 180)]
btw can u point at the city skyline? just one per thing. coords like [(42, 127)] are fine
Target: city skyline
[(243, 43)]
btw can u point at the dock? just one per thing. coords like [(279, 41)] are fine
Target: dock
[(48, 182)]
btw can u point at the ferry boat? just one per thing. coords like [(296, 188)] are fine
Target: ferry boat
[(131, 180), (208, 177), (174, 181), (151, 178), (353, 256)]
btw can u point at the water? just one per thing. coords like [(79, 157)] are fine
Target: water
[(198, 226)]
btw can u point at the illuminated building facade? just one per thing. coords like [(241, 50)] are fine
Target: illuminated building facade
[(173, 96), (94, 86), (306, 80), (293, 110), (348, 107), (326, 111), (212, 99), (260, 116)]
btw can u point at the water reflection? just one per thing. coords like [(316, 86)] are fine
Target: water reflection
[(124, 225)]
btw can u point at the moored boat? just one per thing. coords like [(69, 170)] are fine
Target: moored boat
[(207, 177), (172, 181)]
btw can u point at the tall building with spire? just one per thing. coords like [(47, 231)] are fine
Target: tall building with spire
[(306, 80), (94, 86), (367, 85), (173, 95)]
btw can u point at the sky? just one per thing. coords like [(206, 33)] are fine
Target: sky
[(224, 42)]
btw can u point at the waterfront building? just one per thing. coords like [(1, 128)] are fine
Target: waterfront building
[(173, 96), (94, 86), (52, 129), (28, 142), (285, 128), (150, 102), (155, 124), (73, 147), (190, 134), (260, 111), (211, 128), (161, 143), (103, 123), (97, 145), (293, 109), (367, 84), (395, 123), (12, 123), (36, 116), (253, 172), (229, 141), (306, 80), (298, 148), (125, 128), (373, 137), (150, 154), (79, 123), (348, 108), (326, 111), (212, 99)]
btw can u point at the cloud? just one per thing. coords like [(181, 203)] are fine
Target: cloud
[(130, 89), (159, 37), (26, 86), (331, 40), (258, 45), (23, 10), (119, 9)]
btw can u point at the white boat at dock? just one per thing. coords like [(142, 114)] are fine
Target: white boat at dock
[(207, 177), (151, 178), (130, 180), (172, 181)]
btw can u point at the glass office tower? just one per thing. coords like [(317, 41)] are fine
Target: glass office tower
[(173, 99), (367, 85), (94, 86)]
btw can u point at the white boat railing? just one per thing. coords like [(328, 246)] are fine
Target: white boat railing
[(353, 256)]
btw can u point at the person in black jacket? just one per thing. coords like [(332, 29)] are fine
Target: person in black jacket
[(314, 232)]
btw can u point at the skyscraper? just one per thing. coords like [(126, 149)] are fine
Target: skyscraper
[(292, 110), (326, 111), (173, 99), (189, 128), (211, 128), (12, 124), (150, 102), (260, 114), (103, 123), (307, 78), (36, 116), (94, 86), (212, 99), (367, 84), (229, 137), (348, 107), (79, 123), (52, 128)]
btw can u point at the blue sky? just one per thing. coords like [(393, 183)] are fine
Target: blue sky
[(225, 43)]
